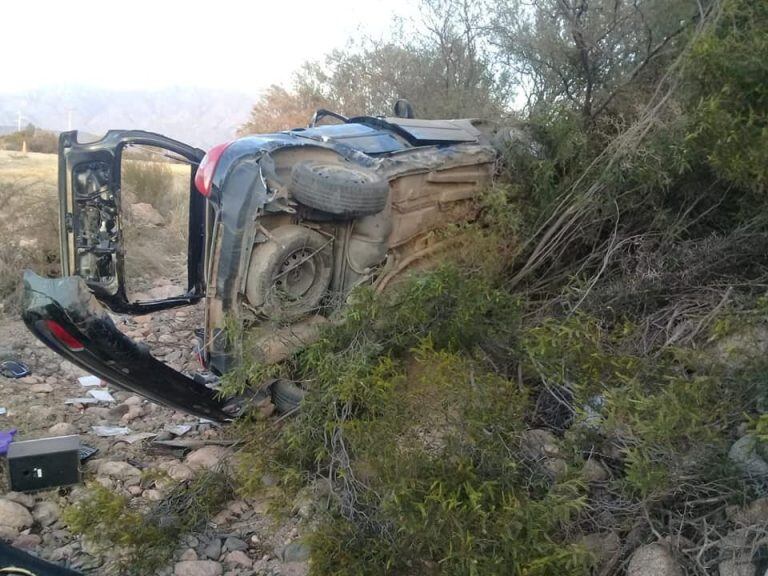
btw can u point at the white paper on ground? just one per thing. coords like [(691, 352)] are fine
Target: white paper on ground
[(3, 410), (88, 381), (81, 401), (101, 395), (106, 431)]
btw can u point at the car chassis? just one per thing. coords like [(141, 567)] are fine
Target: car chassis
[(359, 200)]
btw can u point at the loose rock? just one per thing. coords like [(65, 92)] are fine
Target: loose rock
[(737, 567), (232, 543), (20, 498), (119, 471), (213, 549), (744, 453), (238, 558), (539, 444), (27, 541), (594, 472), (296, 551), (653, 560), (15, 516), (45, 513), (63, 429), (207, 457), (197, 568)]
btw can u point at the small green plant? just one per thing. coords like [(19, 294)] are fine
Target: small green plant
[(146, 539)]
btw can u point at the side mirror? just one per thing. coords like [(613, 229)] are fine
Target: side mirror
[(403, 109)]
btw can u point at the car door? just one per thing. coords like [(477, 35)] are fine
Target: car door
[(113, 235)]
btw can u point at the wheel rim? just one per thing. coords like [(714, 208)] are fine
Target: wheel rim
[(297, 274)]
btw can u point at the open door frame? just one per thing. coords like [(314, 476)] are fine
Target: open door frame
[(90, 212)]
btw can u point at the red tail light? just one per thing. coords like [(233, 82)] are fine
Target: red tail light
[(204, 176), (59, 332)]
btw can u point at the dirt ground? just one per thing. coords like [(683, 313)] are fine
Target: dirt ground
[(241, 540)]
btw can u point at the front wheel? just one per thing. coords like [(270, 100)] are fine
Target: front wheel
[(290, 273)]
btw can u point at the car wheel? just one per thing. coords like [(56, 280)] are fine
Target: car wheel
[(290, 273), (338, 189), (287, 396)]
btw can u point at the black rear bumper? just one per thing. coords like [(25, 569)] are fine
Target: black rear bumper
[(63, 314)]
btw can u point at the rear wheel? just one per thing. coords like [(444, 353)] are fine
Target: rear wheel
[(290, 273)]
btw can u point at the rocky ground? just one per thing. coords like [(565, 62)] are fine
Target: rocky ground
[(241, 540)]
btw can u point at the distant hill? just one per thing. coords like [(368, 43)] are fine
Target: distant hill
[(198, 116)]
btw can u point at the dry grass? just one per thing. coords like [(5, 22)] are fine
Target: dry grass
[(28, 221)]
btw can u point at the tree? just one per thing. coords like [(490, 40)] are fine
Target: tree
[(587, 53), (443, 65)]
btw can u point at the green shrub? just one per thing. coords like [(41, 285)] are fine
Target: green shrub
[(146, 539), (728, 84)]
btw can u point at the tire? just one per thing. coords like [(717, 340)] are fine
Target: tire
[(338, 188), (286, 396), (290, 273)]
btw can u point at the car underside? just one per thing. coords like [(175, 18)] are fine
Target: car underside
[(280, 229)]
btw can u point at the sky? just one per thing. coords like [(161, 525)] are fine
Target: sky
[(149, 44)]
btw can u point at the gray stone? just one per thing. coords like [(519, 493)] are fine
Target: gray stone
[(20, 498), (146, 214), (207, 457), (296, 551), (756, 512), (197, 568), (538, 444), (27, 541), (180, 472), (213, 549), (238, 558), (188, 554), (602, 546), (63, 429), (742, 566), (232, 543), (45, 513), (594, 472), (653, 560), (744, 453), (41, 388), (14, 515), (119, 471)]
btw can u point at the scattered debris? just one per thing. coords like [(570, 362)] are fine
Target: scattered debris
[(14, 369), (107, 431), (3, 411), (83, 401), (88, 381), (6, 437), (102, 395), (178, 429), (136, 437)]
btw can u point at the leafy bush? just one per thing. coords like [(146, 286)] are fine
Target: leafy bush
[(146, 539), (727, 85)]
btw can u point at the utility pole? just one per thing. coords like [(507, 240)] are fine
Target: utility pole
[(18, 121)]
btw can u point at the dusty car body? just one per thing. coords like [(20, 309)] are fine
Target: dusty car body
[(281, 228)]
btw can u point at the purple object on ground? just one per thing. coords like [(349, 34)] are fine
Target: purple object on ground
[(6, 437)]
